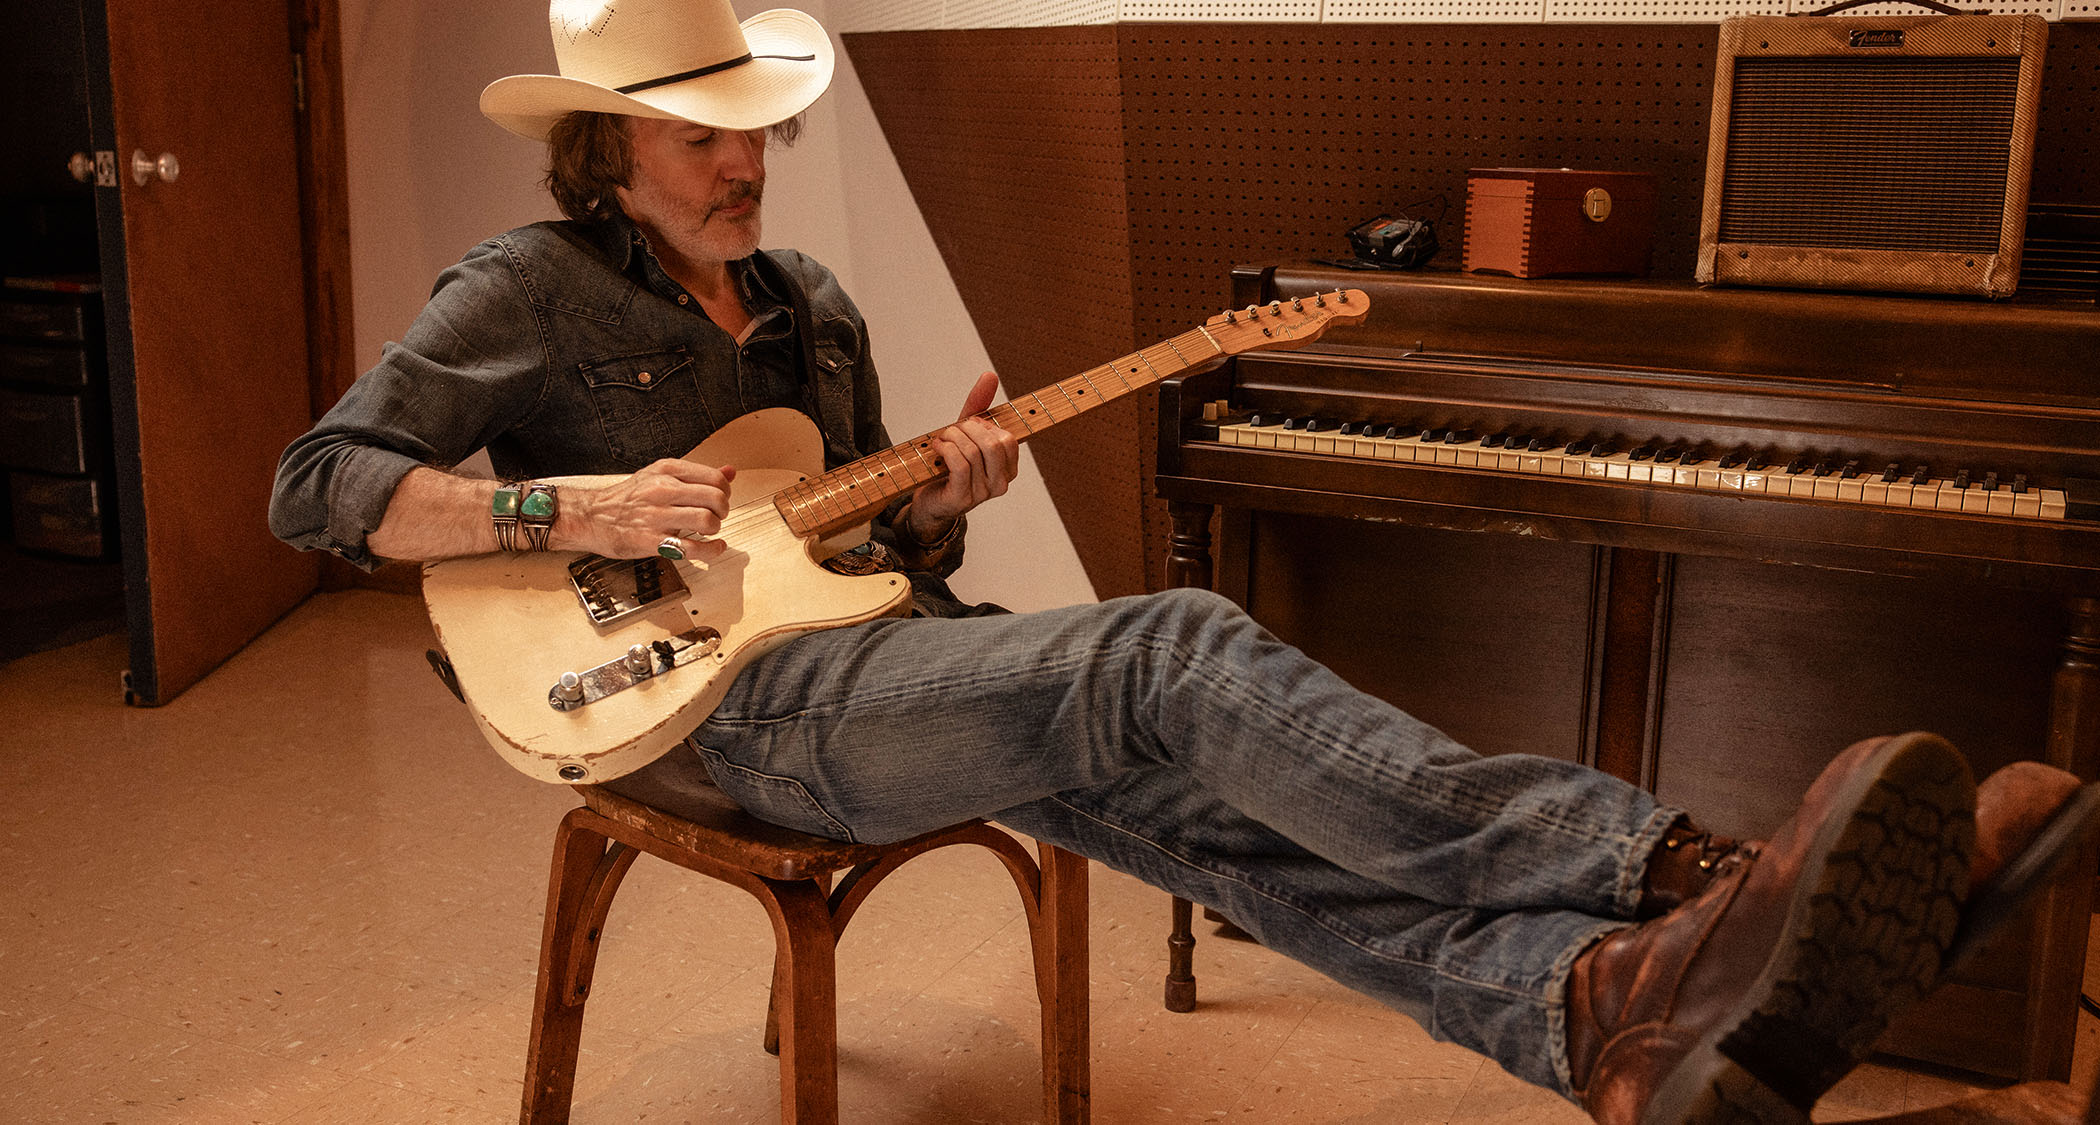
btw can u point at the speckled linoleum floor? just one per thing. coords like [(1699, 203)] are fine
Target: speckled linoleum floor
[(305, 892)]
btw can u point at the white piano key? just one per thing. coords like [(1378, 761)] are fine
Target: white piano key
[(2052, 507)]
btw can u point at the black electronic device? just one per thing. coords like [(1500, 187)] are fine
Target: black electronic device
[(1390, 243)]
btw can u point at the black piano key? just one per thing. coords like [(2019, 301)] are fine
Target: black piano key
[(1316, 425), (1756, 463), (1264, 420), (1921, 474), (1824, 468), (1459, 437), (1294, 423), (1734, 459), (1693, 457), (2019, 484), (1350, 429), (1642, 452), (1538, 445), (1493, 441), (1670, 455), (1388, 430), (1433, 437), (1990, 482), (1850, 471), (1604, 449), (1578, 448), (1797, 466), (1889, 475), (1961, 479)]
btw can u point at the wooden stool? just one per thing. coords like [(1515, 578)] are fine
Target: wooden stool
[(791, 875)]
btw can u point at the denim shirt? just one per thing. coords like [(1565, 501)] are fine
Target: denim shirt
[(564, 348)]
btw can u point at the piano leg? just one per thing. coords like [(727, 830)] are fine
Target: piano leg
[(1188, 564), (1634, 587), (2057, 970)]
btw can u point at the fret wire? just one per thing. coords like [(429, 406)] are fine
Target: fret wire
[(1060, 388), (1177, 353)]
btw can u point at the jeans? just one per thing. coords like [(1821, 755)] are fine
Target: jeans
[(1173, 739)]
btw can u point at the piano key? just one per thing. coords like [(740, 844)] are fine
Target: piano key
[(1805, 476)]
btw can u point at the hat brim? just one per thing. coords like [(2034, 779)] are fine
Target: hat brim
[(761, 92)]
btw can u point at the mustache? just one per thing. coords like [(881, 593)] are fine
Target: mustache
[(745, 192)]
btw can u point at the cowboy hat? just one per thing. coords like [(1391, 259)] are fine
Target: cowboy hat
[(676, 59)]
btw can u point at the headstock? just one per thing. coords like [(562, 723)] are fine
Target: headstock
[(1286, 323)]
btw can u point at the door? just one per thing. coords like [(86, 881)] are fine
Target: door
[(206, 319)]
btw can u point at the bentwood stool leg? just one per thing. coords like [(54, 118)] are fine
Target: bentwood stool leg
[(805, 964), (1062, 908), (587, 871)]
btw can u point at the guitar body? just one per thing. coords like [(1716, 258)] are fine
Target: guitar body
[(511, 624)]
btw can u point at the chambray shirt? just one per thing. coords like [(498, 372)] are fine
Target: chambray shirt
[(564, 348)]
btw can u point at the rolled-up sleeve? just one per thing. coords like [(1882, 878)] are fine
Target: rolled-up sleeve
[(470, 367)]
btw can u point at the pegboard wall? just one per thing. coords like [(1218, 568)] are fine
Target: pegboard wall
[(936, 15), (1140, 162)]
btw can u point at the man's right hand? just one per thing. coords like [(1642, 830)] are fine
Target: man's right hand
[(670, 499)]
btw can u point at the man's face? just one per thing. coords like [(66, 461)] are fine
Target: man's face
[(695, 191)]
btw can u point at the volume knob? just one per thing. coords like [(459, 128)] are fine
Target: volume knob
[(569, 689)]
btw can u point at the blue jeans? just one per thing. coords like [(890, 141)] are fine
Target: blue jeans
[(1172, 738)]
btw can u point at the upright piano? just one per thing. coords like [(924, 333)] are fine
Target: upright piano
[(1701, 538)]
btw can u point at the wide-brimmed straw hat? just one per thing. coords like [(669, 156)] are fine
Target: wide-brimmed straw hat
[(675, 59)]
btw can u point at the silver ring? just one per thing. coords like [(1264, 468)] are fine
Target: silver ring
[(671, 548)]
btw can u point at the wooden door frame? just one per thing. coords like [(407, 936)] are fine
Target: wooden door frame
[(324, 198)]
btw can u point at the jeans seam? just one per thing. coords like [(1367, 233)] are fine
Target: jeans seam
[(1186, 656), (709, 756), (1359, 941)]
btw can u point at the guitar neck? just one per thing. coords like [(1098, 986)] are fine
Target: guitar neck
[(852, 494)]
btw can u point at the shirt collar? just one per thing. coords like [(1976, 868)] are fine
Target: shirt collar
[(624, 244)]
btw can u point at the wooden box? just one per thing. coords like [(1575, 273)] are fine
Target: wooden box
[(1558, 222)]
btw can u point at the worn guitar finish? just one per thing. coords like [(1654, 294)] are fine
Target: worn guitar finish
[(513, 623)]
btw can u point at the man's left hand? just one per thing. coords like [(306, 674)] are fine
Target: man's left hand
[(981, 458)]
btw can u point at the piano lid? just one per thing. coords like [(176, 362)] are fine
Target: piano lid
[(2015, 351)]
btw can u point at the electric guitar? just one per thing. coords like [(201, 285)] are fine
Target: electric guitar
[(579, 669)]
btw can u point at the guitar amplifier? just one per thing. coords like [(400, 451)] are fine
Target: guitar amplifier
[(1871, 152)]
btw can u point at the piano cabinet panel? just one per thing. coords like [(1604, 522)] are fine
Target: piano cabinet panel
[(1771, 669), (1482, 637)]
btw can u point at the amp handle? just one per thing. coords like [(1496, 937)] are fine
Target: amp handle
[(1930, 5)]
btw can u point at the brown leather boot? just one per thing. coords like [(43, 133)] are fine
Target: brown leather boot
[(1750, 1000), (1684, 861), (2031, 819)]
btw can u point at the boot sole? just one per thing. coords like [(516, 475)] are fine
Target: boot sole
[(1872, 916)]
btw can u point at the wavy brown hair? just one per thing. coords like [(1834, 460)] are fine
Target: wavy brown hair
[(589, 154)]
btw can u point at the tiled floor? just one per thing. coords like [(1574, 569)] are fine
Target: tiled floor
[(305, 892)]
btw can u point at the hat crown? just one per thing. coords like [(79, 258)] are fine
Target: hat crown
[(617, 43)]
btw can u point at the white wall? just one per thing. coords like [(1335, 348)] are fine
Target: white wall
[(430, 177)]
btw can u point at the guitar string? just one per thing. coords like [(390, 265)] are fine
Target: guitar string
[(734, 524)]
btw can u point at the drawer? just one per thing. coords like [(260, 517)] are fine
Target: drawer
[(56, 321), (50, 367), (62, 515), (49, 432)]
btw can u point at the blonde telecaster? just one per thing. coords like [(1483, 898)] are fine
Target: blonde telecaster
[(579, 669)]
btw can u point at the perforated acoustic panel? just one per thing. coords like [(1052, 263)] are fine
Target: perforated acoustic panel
[(1139, 163), (1012, 143)]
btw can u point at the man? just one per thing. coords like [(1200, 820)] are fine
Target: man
[(1493, 899)]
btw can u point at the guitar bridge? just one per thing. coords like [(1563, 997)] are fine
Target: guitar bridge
[(615, 589), (642, 662)]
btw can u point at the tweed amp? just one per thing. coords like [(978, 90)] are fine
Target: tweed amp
[(1871, 152)]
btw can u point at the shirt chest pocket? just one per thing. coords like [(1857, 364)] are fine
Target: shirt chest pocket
[(648, 404)]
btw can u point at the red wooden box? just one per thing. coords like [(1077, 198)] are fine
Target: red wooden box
[(1555, 222)]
